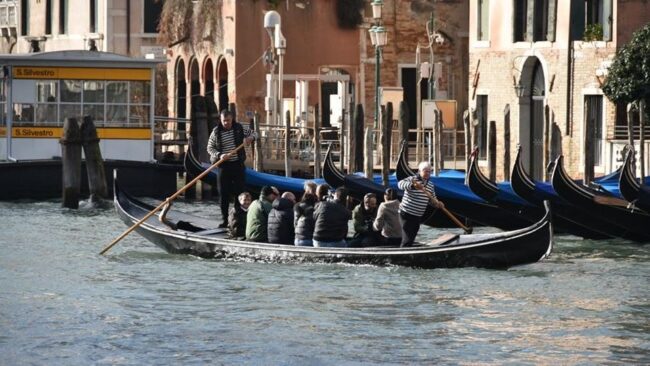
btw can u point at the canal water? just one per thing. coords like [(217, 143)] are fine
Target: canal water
[(63, 304)]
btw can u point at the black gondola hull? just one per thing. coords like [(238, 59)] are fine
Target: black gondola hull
[(498, 250)]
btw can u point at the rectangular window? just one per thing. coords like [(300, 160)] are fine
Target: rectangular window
[(63, 16), (152, 11), (48, 17), (520, 11), (483, 18), (93, 16), (482, 128), (3, 105), (24, 17), (534, 20), (540, 27), (47, 102), (594, 125), (598, 20)]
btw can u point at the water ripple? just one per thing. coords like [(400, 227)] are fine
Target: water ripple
[(62, 303)]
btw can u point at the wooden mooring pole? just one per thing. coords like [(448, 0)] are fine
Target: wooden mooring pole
[(94, 162), (386, 129), (71, 162), (404, 127)]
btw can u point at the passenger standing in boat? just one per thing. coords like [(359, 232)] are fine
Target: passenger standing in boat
[(303, 220), (280, 224), (363, 217), (225, 138), (331, 220), (237, 216), (415, 200), (258, 215), (387, 221)]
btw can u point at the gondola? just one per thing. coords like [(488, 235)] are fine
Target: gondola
[(254, 180), (197, 236), (403, 170), (456, 197), (537, 192), (358, 186), (502, 196), (632, 224), (631, 189)]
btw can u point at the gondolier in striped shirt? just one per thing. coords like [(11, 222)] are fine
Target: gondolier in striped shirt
[(414, 202), (232, 174)]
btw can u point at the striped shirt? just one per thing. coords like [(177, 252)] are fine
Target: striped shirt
[(415, 201), (222, 142), (228, 143)]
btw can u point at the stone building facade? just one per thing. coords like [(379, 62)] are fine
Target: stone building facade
[(545, 62), (124, 27)]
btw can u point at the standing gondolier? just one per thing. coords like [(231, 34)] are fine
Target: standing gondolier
[(232, 174), (415, 201)]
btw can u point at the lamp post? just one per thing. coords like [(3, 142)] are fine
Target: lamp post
[(378, 38), (272, 23)]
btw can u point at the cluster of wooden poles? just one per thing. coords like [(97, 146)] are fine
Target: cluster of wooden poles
[(75, 138)]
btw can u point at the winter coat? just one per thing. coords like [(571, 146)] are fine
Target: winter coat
[(237, 222), (331, 221), (256, 220), (280, 224), (387, 220), (362, 219), (303, 219)]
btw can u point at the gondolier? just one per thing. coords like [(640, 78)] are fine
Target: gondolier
[(415, 201), (225, 138)]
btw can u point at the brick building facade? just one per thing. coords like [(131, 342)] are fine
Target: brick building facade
[(556, 53)]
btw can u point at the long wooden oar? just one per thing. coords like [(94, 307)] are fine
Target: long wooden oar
[(171, 198), (453, 218)]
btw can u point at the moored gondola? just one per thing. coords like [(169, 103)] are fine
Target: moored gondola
[(403, 170), (496, 250), (626, 223), (254, 180), (631, 189), (592, 227), (456, 197), (358, 186), (495, 193)]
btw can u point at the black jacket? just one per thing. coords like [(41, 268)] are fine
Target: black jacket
[(280, 223), (304, 220), (237, 222), (331, 221)]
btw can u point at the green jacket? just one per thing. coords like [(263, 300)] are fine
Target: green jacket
[(362, 219), (256, 220)]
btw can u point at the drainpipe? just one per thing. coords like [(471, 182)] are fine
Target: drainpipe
[(128, 27)]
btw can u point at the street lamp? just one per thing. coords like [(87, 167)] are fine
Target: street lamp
[(272, 23), (519, 87), (379, 39)]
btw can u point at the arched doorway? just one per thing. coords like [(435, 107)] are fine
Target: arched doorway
[(222, 82), (181, 90), (208, 78), (531, 117)]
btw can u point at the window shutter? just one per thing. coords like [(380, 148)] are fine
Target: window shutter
[(608, 20), (530, 20), (577, 19), (550, 28)]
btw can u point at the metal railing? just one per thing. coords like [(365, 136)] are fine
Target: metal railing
[(620, 132)]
